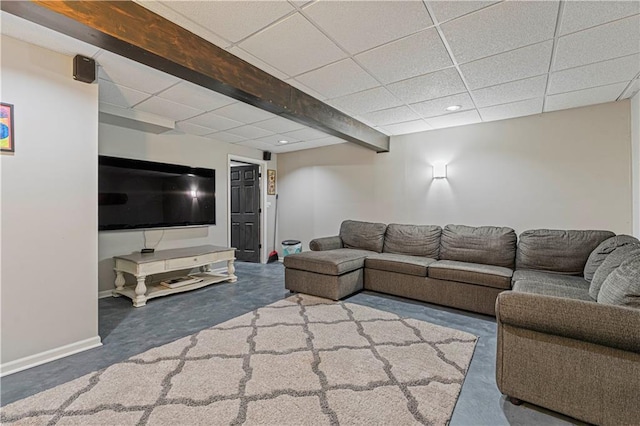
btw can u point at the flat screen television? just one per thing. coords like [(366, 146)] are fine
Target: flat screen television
[(134, 194)]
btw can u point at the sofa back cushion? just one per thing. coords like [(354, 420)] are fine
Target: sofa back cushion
[(414, 240), (564, 252), (622, 286), (489, 245), (363, 235), (600, 253), (610, 264)]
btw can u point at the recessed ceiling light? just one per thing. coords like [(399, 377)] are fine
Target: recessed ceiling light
[(283, 142), (453, 108)]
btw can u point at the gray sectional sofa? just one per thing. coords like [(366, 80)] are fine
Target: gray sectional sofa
[(567, 303)]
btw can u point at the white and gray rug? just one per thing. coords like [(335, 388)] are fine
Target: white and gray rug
[(300, 361)]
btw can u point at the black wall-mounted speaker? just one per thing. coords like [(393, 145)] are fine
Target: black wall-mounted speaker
[(266, 155), (84, 69)]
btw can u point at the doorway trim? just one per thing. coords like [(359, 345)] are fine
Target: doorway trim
[(263, 201)]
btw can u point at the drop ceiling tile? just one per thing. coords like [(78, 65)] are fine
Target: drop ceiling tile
[(436, 107), (330, 140), (408, 127), (186, 93), (417, 54), (164, 9), (169, 109), (632, 89), (513, 65), (33, 33), (305, 134), (447, 10), (309, 91), (293, 46), (512, 110), (275, 139), (361, 25), (244, 113), (214, 122), (430, 86), (192, 129), (390, 116), (596, 95), (263, 146), (249, 132), (121, 96), (619, 38), (318, 143), (134, 75), (457, 119), (496, 29), (593, 75), (383, 131), (233, 20), (366, 101), (578, 15), (338, 79), (511, 92), (279, 125), (248, 57), (225, 137)]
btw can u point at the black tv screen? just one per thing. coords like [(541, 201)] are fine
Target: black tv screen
[(143, 194)]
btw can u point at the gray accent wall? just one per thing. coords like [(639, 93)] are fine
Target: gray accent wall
[(49, 209), (568, 169)]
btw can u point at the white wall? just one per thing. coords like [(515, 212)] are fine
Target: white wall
[(49, 209), (635, 159), (566, 169), (177, 149)]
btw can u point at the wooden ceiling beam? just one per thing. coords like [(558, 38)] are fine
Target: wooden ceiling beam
[(130, 30)]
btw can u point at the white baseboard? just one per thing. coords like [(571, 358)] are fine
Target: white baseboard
[(47, 356), (105, 293)]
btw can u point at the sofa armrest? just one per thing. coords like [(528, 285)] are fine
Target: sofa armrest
[(326, 243), (608, 325)]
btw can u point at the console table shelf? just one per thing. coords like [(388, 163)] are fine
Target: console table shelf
[(143, 265)]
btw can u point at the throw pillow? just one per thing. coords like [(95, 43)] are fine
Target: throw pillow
[(622, 286), (600, 253), (611, 263)]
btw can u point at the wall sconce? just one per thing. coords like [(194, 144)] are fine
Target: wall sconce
[(194, 193), (440, 171)]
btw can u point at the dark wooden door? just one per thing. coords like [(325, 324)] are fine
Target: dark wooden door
[(245, 212)]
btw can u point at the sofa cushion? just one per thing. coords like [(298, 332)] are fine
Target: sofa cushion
[(611, 263), (622, 286), (547, 289), (414, 240), (553, 250), (489, 245), (331, 262), (471, 273), (400, 263), (550, 278), (363, 235), (600, 253)]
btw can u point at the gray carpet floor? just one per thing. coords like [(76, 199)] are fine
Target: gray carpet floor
[(127, 331)]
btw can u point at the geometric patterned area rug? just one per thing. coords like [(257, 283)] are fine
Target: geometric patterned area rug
[(300, 361)]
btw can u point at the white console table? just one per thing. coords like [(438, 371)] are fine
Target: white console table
[(143, 265)]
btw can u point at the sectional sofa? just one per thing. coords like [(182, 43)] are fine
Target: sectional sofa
[(567, 303), (459, 266)]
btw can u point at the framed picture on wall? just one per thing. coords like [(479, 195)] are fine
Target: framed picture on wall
[(7, 141), (271, 182)]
